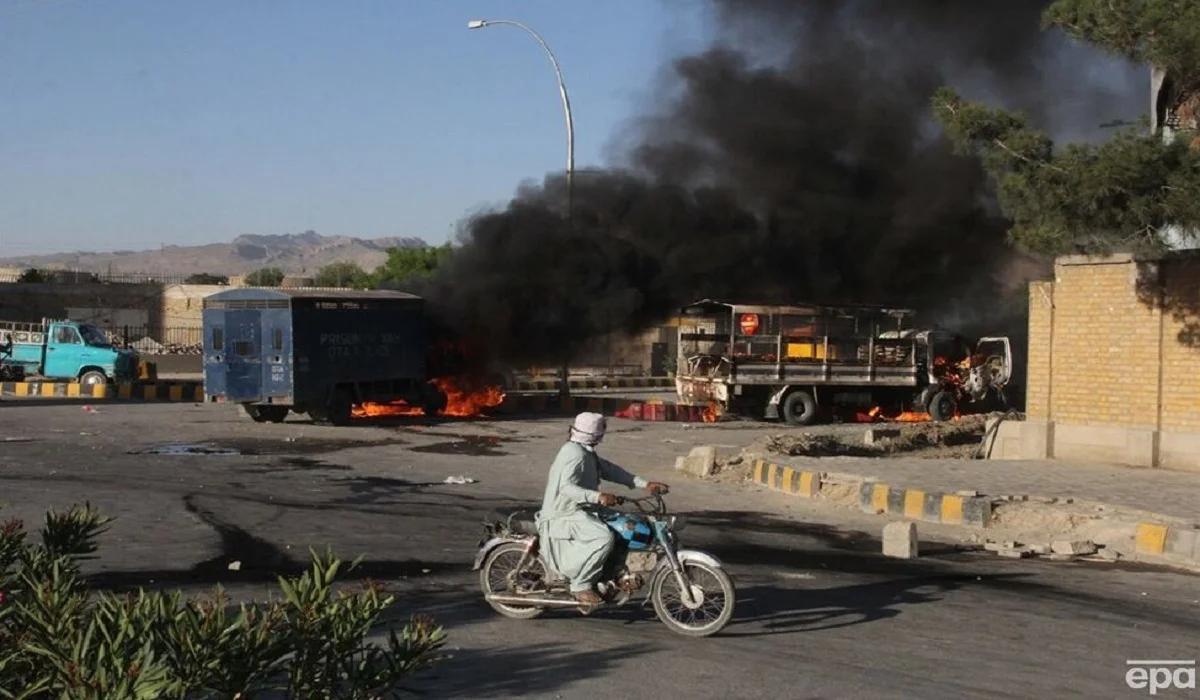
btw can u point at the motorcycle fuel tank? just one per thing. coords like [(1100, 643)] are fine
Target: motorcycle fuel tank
[(635, 532)]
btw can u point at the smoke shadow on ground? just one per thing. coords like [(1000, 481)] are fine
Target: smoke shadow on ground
[(776, 610), (259, 561), (522, 671)]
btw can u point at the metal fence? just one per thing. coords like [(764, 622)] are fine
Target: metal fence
[(155, 340), (584, 371)]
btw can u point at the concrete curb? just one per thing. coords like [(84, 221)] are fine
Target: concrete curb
[(1176, 544), (602, 383), (1170, 541), (786, 479), (192, 392), (929, 506)]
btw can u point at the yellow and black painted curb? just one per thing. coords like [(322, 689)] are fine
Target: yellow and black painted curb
[(929, 506), (1154, 539), (602, 383), (783, 478), (877, 498), (128, 391)]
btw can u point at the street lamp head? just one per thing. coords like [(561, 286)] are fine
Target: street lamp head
[(477, 24)]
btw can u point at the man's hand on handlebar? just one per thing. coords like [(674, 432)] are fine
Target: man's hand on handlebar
[(607, 500), (657, 488)]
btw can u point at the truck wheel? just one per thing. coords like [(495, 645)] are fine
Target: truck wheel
[(254, 412), (942, 406), (93, 377), (273, 414), (434, 401), (340, 409), (799, 408)]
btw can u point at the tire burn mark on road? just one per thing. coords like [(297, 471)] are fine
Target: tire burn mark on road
[(468, 445), (254, 447)]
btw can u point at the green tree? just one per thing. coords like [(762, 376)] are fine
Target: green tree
[(32, 276), (265, 277), (342, 274), (206, 278), (1124, 194), (406, 265), (1163, 33)]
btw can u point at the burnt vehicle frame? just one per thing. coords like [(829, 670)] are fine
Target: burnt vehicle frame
[(800, 362)]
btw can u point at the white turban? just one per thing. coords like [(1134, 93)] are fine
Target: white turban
[(588, 429)]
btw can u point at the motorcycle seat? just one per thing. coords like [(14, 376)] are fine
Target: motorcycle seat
[(518, 520)]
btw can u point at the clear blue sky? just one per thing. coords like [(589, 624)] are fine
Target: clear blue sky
[(125, 124)]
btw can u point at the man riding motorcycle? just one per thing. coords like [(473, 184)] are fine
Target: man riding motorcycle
[(575, 541)]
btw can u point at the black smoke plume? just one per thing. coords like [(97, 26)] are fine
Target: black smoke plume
[(793, 161)]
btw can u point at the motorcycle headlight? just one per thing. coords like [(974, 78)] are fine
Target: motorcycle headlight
[(678, 522)]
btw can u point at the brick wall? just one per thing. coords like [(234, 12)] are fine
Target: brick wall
[(1041, 320), (1114, 345), (1181, 348)]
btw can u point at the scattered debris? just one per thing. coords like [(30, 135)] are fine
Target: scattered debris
[(1073, 547), (701, 461), (810, 445), (235, 566), (1015, 553), (942, 440), (459, 480), (90, 409)]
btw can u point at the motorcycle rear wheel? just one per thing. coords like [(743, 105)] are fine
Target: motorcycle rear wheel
[(494, 575), (675, 614)]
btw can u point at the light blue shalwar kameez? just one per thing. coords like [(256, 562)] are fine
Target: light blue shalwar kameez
[(575, 542)]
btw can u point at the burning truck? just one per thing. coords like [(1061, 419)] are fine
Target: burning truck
[(804, 363)]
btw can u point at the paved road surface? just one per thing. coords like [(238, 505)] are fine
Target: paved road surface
[(822, 615)]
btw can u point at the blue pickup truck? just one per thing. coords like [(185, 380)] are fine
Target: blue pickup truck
[(61, 350), (320, 352)]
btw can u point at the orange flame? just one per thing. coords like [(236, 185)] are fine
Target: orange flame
[(464, 399), (710, 413), (876, 415)]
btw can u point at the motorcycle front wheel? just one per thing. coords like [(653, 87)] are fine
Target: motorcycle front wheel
[(497, 576), (711, 608)]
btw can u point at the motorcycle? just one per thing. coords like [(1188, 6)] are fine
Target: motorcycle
[(690, 590)]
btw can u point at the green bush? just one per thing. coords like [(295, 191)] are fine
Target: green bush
[(60, 640)]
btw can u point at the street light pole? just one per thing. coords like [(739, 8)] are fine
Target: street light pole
[(565, 371)]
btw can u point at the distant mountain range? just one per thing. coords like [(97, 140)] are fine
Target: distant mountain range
[(299, 254)]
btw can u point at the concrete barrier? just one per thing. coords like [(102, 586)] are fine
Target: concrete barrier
[(934, 507), (192, 392)]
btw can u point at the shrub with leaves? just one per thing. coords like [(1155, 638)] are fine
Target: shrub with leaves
[(58, 640)]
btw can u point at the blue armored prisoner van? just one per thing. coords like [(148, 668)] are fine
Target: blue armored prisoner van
[(318, 352)]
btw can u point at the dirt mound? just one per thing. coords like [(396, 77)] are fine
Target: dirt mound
[(958, 438)]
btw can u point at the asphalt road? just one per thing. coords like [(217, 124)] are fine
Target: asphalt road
[(821, 614)]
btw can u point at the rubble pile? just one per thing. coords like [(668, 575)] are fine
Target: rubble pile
[(959, 438), (813, 445)]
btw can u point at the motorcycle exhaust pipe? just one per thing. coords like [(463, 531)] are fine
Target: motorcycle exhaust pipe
[(530, 601)]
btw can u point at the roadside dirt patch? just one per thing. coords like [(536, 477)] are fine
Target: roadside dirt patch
[(955, 439)]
